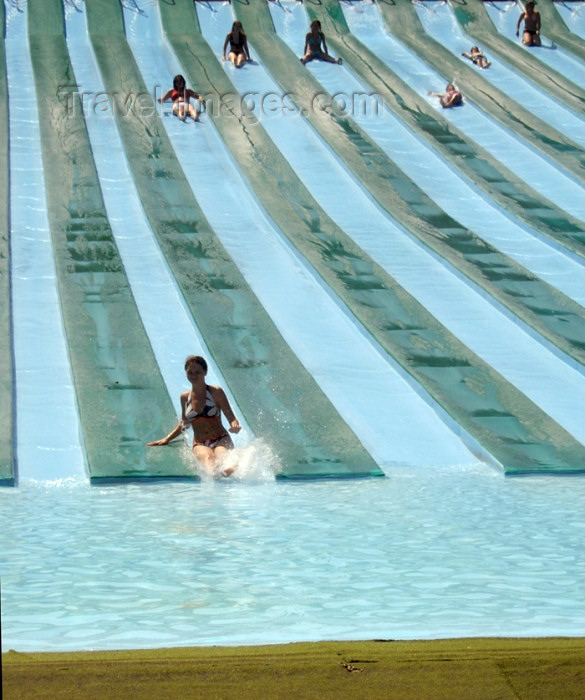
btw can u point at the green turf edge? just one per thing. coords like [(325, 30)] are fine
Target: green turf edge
[(401, 21), (7, 466), (280, 400), (446, 669), (122, 399), (485, 171)]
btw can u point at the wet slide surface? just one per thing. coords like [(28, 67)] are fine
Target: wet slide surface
[(6, 367), (364, 300)]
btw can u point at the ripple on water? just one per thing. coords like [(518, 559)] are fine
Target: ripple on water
[(241, 563)]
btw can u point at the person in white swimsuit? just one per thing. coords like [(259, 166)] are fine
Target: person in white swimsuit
[(201, 408)]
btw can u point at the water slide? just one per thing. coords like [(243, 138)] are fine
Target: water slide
[(378, 285)]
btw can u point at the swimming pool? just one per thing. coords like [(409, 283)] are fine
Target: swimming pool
[(444, 546), (433, 554)]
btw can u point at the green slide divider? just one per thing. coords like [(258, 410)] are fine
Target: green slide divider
[(278, 397), (555, 28), (6, 363), (485, 171), (473, 16), (401, 21), (497, 415), (122, 399), (556, 317)]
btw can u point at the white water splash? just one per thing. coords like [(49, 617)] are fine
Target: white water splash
[(255, 462)]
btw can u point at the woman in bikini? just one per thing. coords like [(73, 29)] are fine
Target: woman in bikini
[(531, 18), (238, 42), (316, 46), (201, 408), (181, 96)]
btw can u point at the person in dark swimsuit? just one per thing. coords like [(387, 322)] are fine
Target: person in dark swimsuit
[(476, 56), (201, 408), (238, 42), (316, 46), (531, 19), (181, 96), (450, 98)]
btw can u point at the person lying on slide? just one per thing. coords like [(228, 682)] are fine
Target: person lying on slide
[(476, 55), (201, 408)]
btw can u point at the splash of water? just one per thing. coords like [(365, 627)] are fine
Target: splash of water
[(255, 462)]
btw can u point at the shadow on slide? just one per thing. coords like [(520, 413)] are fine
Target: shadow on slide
[(122, 397)]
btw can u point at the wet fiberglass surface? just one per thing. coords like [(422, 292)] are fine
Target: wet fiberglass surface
[(444, 546)]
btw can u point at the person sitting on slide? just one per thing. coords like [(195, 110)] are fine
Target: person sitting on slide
[(238, 42), (316, 46), (181, 96), (201, 408)]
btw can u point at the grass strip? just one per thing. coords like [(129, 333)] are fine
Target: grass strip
[(449, 669), (122, 399), (486, 172), (6, 362), (497, 415), (282, 403)]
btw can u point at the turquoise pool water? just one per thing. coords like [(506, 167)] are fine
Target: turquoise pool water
[(445, 546), (433, 554)]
